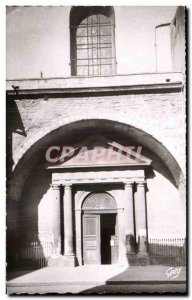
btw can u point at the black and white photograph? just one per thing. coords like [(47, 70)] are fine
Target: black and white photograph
[(96, 149)]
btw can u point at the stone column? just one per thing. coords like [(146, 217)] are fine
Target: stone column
[(78, 236), (56, 220), (141, 220), (69, 257), (129, 218)]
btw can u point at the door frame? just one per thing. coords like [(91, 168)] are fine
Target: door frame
[(98, 213)]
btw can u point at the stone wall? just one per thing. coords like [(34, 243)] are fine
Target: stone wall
[(160, 115)]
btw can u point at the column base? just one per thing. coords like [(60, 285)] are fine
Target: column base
[(63, 261), (131, 259), (128, 260), (79, 261), (69, 260), (143, 259)]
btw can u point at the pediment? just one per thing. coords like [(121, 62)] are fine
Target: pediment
[(97, 151)]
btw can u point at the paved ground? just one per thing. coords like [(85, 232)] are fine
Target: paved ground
[(100, 279)]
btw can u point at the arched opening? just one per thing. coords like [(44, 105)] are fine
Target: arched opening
[(99, 201), (33, 150), (31, 188), (92, 41), (100, 232)]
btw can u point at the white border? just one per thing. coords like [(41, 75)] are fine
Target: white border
[(96, 2), (4, 3)]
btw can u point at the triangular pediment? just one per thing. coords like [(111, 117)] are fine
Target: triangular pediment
[(97, 151)]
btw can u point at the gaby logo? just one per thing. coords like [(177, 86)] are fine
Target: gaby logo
[(61, 154), (173, 272)]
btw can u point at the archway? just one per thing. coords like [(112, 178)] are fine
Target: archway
[(100, 234), (90, 21), (32, 149), (77, 131)]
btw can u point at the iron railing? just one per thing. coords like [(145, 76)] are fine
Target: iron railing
[(35, 255), (167, 251)]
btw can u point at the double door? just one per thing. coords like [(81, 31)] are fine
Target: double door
[(100, 241)]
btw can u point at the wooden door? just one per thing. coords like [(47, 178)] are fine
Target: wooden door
[(91, 239)]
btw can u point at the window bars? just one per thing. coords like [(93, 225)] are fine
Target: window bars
[(94, 42)]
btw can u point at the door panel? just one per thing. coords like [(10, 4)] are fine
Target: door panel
[(91, 239)]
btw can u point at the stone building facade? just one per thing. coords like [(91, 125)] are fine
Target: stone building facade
[(103, 211)]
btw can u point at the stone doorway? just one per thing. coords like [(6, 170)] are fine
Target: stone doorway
[(100, 244), (99, 229)]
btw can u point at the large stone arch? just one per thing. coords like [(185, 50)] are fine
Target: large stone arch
[(27, 155)]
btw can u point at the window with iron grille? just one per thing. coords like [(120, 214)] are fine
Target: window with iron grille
[(93, 51)]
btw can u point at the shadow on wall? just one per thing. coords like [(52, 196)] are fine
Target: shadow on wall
[(160, 252), (14, 124), (24, 249)]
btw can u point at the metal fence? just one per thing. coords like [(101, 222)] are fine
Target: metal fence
[(33, 255), (171, 252)]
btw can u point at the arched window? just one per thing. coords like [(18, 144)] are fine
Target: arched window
[(92, 41)]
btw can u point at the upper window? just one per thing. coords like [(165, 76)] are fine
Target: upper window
[(92, 41)]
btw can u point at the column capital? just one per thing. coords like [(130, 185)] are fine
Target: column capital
[(141, 183), (55, 186), (68, 186), (128, 183)]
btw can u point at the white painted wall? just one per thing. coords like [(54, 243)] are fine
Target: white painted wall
[(165, 209), (163, 49)]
